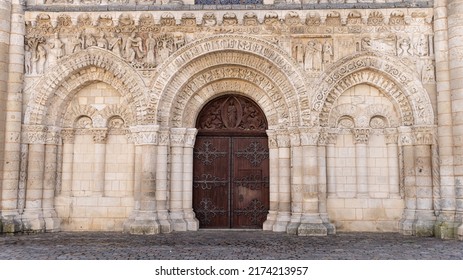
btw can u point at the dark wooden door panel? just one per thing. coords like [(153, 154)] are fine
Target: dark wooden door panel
[(211, 191)]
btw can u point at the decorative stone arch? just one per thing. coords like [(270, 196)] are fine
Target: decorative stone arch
[(56, 88), (267, 62), (388, 74)]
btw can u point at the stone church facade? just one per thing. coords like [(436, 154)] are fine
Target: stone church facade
[(302, 117)]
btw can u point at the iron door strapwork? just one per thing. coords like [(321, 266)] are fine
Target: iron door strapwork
[(231, 165)]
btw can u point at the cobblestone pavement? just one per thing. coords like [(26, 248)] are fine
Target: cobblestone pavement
[(225, 245)]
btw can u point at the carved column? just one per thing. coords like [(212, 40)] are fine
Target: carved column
[(445, 226), (52, 222), (393, 161), (284, 182), (311, 223), (162, 191), (99, 138), (296, 181), (177, 140), (406, 224), (455, 37), (425, 219), (67, 135), (274, 171), (361, 137), (12, 32), (190, 137), (32, 217), (144, 219)]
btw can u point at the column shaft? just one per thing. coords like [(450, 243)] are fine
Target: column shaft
[(274, 173)]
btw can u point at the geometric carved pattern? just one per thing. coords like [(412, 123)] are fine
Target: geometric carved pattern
[(255, 153), (255, 211), (228, 2)]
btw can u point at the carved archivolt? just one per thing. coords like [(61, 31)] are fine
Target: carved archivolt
[(55, 89), (224, 50), (393, 78), (215, 81)]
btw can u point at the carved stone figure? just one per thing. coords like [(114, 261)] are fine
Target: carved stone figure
[(133, 47), (102, 42), (28, 60), (115, 44), (150, 49), (327, 52), (56, 49), (40, 59), (313, 56)]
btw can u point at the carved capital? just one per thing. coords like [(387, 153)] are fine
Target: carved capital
[(190, 137), (283, 139), (362, 135), (34, 134), (164, 137), (177, 137), (392, 136), (99, 135), (295, 136), (53, 136), (272, 139), (405, 136), (309, 136), (423, 135), (67, 135), (145, 134)]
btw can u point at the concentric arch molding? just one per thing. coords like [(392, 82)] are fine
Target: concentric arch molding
[(54, 90), (239, 50), (388, 74)]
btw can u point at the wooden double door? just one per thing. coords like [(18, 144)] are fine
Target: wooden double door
[(231, 181)]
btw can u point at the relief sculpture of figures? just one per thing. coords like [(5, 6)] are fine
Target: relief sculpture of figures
[(115, 44), (313, 56), (28, 60), (327, 52), (150, 50), (56, 49), (133, 47), (40, 59)]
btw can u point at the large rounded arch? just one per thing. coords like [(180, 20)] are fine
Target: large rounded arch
[(254, 61), (56, 88), (388, 74)]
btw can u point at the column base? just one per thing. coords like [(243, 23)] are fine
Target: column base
[(190, 219), (177, 221), (445, 227), (164, 222), (294, 223), (406, 224), (33, 221), (52, 222), (10, 223), (460, 232), (282, 221), (330, 227), (142, 223), (424, 224), (312, 230), (268, 224)]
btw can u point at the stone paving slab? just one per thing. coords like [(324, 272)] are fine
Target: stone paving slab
[(225, 245)]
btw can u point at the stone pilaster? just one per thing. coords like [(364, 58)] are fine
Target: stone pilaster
[(296, 181), (425, 218), (12, 32), (284, 181), (455, 37), (162, 190), (445, 225), (177, 217), (393, 161), (331, 163), (273, 165), (144, 217), (406, 224), (311, 223), (32, 218), (190, 137), (361, 137), (326, 136), (52, 222)]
